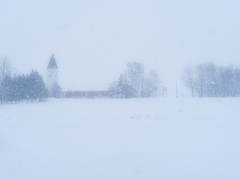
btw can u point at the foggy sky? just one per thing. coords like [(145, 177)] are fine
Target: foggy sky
[(93, 40)]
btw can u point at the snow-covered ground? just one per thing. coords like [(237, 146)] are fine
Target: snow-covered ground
[(121, 139)]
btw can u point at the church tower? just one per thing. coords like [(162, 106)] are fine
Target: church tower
[(52, 75)]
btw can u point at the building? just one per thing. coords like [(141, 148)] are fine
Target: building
[(52, 76), (85, 94), (54, 88)]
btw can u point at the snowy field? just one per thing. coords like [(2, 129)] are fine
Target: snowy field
[(112, 139)]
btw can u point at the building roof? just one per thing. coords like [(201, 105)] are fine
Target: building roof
[(52, 63)]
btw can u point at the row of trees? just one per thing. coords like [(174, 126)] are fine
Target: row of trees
[(204, 80), (20, 87), (210, 80), (135, 83)]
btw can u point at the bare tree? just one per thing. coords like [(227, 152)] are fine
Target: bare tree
[(134, 76), (188, 78), (151, 84)]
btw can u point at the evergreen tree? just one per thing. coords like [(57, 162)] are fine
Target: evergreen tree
[(36, 87), (7, 89)]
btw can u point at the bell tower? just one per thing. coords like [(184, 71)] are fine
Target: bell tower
[(52, 75)]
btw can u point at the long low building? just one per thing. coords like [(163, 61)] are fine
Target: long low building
[(85, 94)]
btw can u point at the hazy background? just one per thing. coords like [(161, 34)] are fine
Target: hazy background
[(93, 40)]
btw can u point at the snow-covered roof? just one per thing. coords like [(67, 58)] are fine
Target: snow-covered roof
[(52, 63)]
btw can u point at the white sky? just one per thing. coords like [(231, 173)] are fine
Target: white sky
[(93, 40)]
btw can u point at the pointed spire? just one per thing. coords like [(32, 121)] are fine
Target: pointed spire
[(52, 63)]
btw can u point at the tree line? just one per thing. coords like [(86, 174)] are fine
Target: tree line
[(204, 80), (20, 87), (210, 80)]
